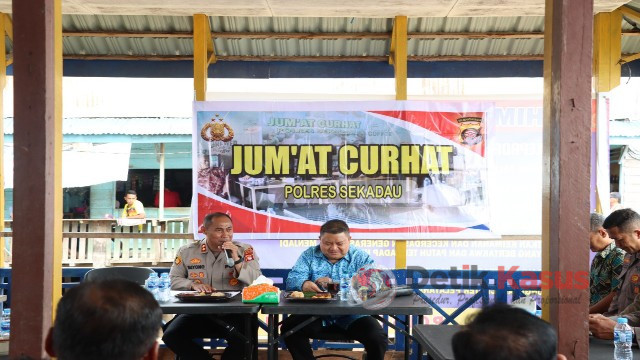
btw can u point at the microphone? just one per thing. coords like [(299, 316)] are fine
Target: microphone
[(227, 254)]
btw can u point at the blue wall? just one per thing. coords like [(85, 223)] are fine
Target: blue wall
[(281, 69), (177, 156)]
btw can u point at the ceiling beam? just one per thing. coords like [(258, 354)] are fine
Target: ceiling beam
[(630, 13), (311, 58), (317, 36), (308, 35), (629, 58)]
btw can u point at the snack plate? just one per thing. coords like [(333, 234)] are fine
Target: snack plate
[(197, 297), (308, 297)]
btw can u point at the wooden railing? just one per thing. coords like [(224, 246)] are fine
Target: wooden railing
[(102, 242)]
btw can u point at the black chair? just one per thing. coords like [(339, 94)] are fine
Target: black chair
[(135, 274), (332, 336)]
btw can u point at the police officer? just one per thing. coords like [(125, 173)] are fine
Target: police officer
[(202, 266)]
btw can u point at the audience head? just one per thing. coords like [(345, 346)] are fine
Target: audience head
[(623, 226), (110, 319), (334, 239), (598, 237), (614, 198), (503, 332)]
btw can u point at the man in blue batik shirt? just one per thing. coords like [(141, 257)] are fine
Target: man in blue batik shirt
[(330, 261)]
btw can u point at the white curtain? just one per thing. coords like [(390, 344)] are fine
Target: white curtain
[(83, 164)]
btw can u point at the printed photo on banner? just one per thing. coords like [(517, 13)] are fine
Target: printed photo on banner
[(414, 169)]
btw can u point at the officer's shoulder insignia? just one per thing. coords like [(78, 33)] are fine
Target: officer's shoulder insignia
[(203, 248), (195, 261), (178, 260)]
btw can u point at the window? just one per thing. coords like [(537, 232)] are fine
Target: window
[(146, 183)]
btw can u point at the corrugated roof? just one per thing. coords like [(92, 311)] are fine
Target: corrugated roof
[(635, 4), (624, 128), (182, 47), (300, 47), (120, 125)]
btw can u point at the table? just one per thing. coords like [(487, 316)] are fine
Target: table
[(403, 305), (233, 306), (600, 349), (436, 339)]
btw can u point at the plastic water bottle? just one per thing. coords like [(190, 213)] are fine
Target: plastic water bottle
[(152, 284), (345, 283), (622, 340), (164, 287), (5, 324)]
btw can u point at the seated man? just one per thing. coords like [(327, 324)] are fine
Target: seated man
[(623, 226), (333, 259), (605, 268), (503, 332), (111, 319), (202, 266)]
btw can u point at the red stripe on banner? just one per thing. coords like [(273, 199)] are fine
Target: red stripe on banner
[(248, 221), (444, 124)]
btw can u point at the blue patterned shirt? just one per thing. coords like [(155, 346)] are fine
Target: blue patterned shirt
[(312, 265)]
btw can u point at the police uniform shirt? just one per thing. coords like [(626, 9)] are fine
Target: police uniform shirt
[(196, 264), (623, 301)]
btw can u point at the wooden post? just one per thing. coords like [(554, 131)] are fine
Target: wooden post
[(398, 55), (3, 83), (607, 43), (37, 187), (566, 161), (161, 185), (203, 54), (398, 58)]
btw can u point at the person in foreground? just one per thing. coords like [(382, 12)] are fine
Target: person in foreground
[(605, 268), (623, 226), (503, 332), (202, 266), (330, 261), (110, 319)]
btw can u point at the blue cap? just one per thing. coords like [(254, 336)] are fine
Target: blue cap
[(622, 320)]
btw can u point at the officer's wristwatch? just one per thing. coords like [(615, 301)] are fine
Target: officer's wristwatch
[(238, 261)]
